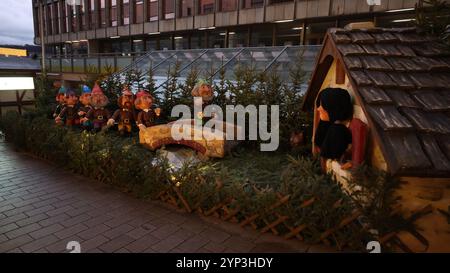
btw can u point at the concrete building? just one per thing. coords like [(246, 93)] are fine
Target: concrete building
[(108, 26)]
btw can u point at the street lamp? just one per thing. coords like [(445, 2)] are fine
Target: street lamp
[(41, 32)]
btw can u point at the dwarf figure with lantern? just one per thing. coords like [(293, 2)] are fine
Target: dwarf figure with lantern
[(85, 100), (204, 91), (99, 115), (69, 113), (125, 115), (146, 117)]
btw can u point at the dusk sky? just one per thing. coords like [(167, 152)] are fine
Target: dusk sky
[(16, 22)]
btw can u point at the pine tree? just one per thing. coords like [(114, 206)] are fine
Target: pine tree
[(171, 92), (150, 85), (220, 89), (187, 86), (432, 17)]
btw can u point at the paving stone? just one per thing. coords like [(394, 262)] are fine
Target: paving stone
[(215, 235), (143, 243), (46, 231), (66, 232), (22, 230), (116, 244), (165, 231), (43, 207), (91, 232), (38, 244)]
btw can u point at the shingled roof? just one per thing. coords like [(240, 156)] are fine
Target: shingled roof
[(402, 81)]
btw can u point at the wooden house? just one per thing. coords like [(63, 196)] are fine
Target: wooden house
[(400, 83)]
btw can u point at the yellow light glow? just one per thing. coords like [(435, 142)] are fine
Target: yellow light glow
[(13, 52)]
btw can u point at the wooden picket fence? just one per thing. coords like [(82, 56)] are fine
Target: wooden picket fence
[(228, 210)]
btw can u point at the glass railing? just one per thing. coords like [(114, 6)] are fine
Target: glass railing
[(207, 62), (92, 63)]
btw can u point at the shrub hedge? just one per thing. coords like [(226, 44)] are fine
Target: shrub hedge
[(124, 163)]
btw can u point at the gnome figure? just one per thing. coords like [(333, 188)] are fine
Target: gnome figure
[(85, 107), (146, 117), (60, 101), (125, 116), (202, 90), (99, 115), (69, 113), (333, 138)]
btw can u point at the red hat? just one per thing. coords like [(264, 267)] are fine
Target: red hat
[(142, 93), (97, 89), (126, 91)]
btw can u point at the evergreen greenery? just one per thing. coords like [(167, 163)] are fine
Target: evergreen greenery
[(248, 181)]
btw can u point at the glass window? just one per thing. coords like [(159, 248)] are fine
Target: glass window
[(126, 46), (246, 4), (56, 17), (238, 38), (152, 10), (102, 13), (165, 43), (186, 8), (126, 12), (91, 14), (48, 19), (198, 39), (138, 45), (261, 35), (397, 20), (74, 26), (279, 1), (84, 23), (206, 6), (216, 39), (139, 11), (227, 5), (79, 48), (115, 47), (288, 34), (181, 42), (152, 44), (168, 9), (315, 32), (64, 19), (113, 13)]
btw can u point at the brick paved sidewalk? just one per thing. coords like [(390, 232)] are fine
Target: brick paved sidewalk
[(42, 208)]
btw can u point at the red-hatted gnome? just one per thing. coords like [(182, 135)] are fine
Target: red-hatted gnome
[(69, 114), (146, 117), (85, 107), (99, 115), (125, 116), (60, 101)]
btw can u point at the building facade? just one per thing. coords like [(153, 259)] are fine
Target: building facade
[(107, 26)]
